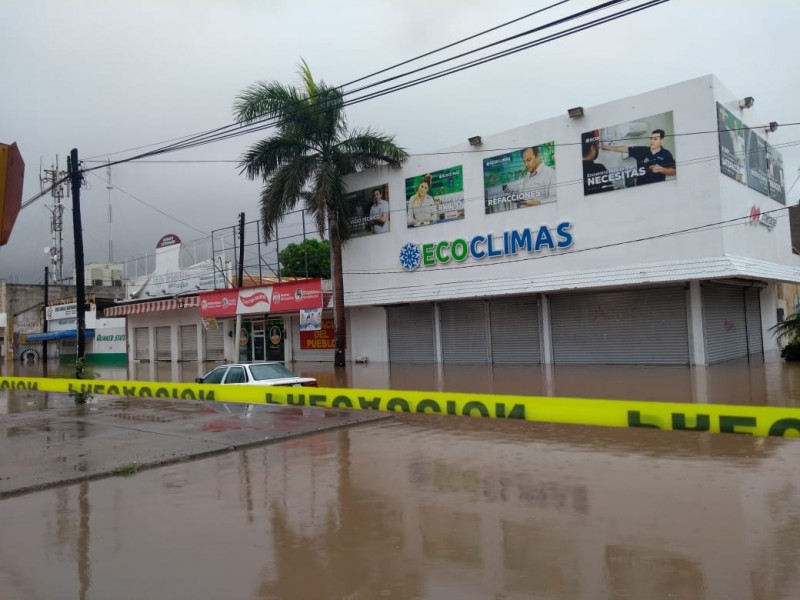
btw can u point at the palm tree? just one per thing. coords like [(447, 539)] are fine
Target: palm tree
[(308, 158), (788, 328)]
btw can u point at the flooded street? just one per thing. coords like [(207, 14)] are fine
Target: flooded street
[(422, 506), (426, 507), (734, 382)]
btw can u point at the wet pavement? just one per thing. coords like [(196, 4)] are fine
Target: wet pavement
[(421, 506), (70, 442)]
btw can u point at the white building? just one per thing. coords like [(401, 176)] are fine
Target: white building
[(613, 262)]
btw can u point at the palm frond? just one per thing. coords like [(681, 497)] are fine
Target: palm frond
[(266, 156), (366, 149), (267, 100), (789, 327), (282, 192)]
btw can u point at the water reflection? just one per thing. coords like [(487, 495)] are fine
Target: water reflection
[(426, 507), (735, 382)]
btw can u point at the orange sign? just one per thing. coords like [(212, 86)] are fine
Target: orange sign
[(319, 340), (12, 172)]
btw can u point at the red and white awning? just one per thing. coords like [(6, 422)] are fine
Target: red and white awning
[(153, 306)]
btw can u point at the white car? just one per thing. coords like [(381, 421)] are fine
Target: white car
[(263, 373)]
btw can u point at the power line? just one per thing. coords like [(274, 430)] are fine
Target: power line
[(158, 210), (362, 78), (218, 135), (487, 150), (706, 227)]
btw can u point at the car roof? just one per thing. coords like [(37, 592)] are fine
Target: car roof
[(250, 364)]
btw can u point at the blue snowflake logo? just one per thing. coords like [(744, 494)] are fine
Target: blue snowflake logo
[(410, 257)]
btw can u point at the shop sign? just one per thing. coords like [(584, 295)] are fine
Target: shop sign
[(322, 339), (757, 217), (278, 298), (62, 311), (168, 240), (510, 243), (89, 320)]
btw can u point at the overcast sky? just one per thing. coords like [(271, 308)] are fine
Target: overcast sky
[(107, 76)]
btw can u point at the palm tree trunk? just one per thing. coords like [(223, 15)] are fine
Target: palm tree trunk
[(339, 319)]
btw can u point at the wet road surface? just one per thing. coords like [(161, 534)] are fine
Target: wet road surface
[(422, 506), (426, 507)]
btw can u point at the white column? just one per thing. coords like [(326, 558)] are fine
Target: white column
[(546, 334), (697, 340)]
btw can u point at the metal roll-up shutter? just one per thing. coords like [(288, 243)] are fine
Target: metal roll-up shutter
[(465, 335), (142, 338), (411, 333), (163, 343), (724, 322), (188, 342), (755, 340), (515, 331), (631, 327), (215, 344)]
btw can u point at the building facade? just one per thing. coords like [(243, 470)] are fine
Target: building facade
[(648, 230)]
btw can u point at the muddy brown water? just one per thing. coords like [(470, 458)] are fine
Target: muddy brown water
[(440, 507)]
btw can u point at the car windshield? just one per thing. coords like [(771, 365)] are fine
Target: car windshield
[(261, 372)]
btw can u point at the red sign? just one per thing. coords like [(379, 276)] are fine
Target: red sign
[(319, 340), (219, 303), (168, 240), (291, 296), (285, 297)]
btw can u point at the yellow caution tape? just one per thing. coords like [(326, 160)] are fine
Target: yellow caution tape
[(715, 418)]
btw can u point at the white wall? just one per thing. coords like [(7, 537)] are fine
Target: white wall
[(373, 275), (369, 333)]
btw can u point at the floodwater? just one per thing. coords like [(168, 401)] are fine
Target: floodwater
[(425, 506), (734, 382)]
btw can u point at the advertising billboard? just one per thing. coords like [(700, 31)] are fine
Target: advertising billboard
[(732, 155), (435, 197), (524, 177), (747, 157), (368, 210), (629, 154), (777, 186)]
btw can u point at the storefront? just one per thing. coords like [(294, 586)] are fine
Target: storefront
[(262, 316), (168, 330), (607, 239), (105, 338)]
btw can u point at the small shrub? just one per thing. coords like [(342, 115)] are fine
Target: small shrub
[(791, 351), (126, 470)]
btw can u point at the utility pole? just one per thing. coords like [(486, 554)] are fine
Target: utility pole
[(53, 178), (241, 250), (76, 179), (44, 325), (110, 220)]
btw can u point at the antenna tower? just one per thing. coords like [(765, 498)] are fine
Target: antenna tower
[(49, 178)]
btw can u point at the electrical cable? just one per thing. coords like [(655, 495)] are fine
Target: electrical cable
[(214, 137), (362, 78), (147, 204), (705, 227)]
